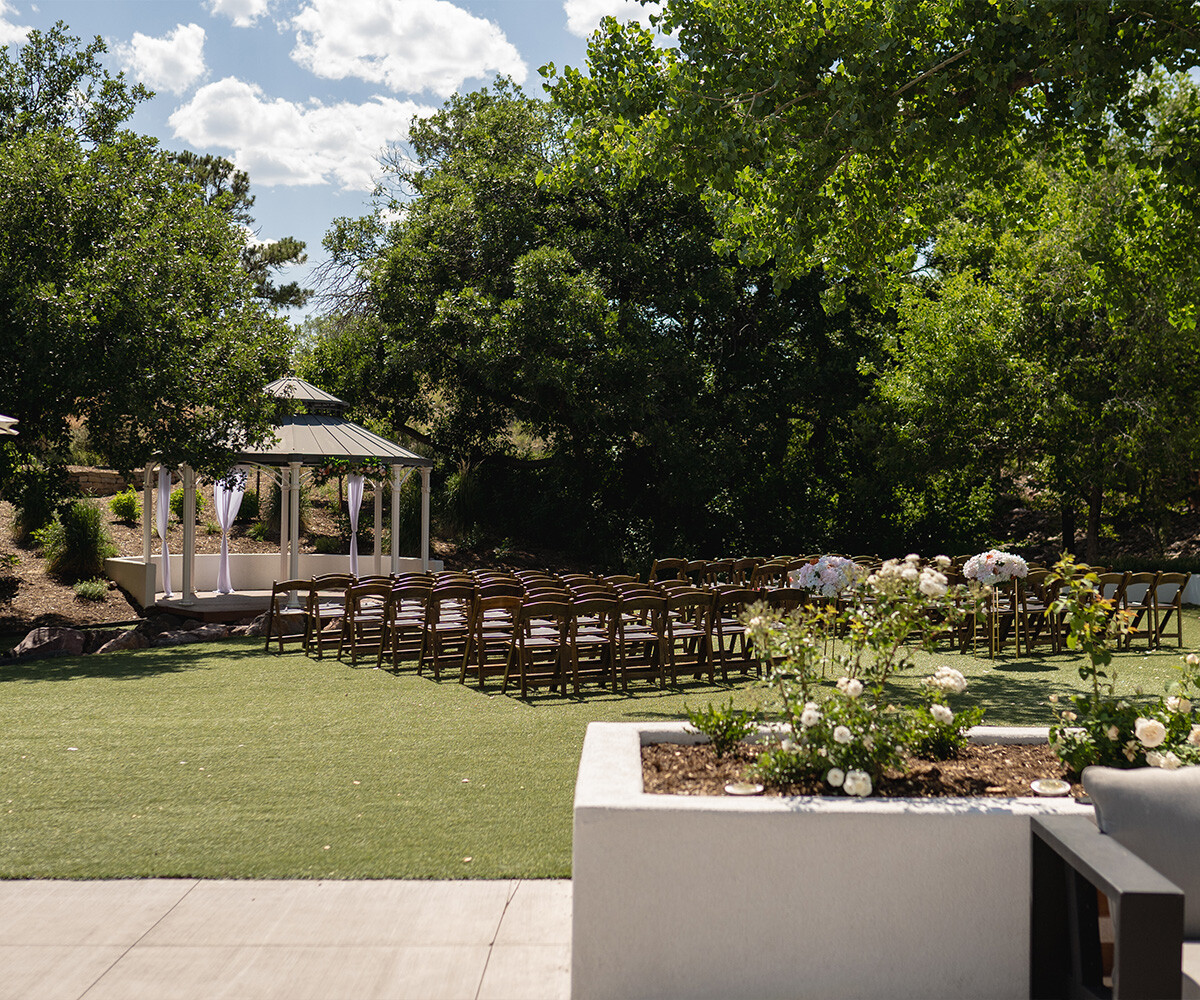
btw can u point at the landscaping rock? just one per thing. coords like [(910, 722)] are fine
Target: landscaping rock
[(51, 641), (94, 639), (132, 639)]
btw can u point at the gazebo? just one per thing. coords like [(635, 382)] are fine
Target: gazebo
[(309, 438)]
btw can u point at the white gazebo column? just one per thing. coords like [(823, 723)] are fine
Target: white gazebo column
[(294, 571), (285, 521), (425, 470), (396, 481), (149, 589), (189, 535), (377, 487)]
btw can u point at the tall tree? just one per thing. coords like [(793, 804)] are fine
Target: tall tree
[(224, 187), (811, 127), (123, 299), (588, 349), (1043, 342)]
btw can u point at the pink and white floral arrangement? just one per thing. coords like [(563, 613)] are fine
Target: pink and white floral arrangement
[(995, 566), (827, 576)]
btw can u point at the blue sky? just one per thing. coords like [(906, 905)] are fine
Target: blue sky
[(303, 94)]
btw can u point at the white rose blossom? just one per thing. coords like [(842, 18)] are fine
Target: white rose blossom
[(1113, 733), (835, 777), (857, 783), (1194, 736), (947, 679), (1154, 758), (1150, 732), (850, 686), (842, 734), (941, 714), (943, 562), (1180, 705), (809, 717), (1192, 660)]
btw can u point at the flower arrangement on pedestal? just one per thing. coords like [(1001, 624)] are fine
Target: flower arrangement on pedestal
[(827, 576), (339, 468), (995, 566)]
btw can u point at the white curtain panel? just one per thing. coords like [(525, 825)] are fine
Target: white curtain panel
[(354, 494), (227, 499), (161, 515)]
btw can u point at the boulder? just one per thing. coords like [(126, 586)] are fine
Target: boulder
[(93, 639), (131, 639), (48, 641)]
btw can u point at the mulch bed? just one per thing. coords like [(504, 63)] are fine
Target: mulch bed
[(993, 770)]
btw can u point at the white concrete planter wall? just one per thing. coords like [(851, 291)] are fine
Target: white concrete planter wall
[(702, 896)]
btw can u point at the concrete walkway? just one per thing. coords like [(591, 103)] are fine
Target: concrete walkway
[(175, 939)]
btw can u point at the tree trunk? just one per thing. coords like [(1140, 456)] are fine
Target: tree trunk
[(1068, 527), (1093, 524)]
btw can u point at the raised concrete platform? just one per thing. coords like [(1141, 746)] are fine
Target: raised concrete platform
[(217, 607), (178, 939)]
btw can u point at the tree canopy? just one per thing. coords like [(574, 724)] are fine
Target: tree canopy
[(123, 296), (811, 128)]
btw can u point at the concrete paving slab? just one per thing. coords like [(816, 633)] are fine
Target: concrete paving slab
[(53, 972), (92, 913), (336, 913), (295, 973), (527, 972), (162, 939), (539, 912)]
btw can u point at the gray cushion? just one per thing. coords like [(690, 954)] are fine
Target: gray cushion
[(1156, 814), (1190, 987)]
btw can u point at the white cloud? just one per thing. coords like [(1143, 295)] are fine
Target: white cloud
[(409, 45), (11, 34), (171, 63), (243, 13), (281, 142), (583, 16)]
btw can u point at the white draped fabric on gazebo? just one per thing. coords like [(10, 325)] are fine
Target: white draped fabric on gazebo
[(311, 438)]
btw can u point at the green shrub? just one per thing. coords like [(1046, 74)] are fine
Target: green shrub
[(76, 543), (260, 532), (330, 545), (126, 506), (724, 725), (177, 503), (91, 590), (36, 490), (271, 515), (250, 508)]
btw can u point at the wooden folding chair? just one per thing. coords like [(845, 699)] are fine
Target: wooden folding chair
[(1139, 604), (490, 632), (404, 622), (447, 625), (730, 644), (537, 645), (592, 638), (1164, 608), (363, 625), (326, 605), (688, 633), (280, 594), (667, 569), (641, 652)]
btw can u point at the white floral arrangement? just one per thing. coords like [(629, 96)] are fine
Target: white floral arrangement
[(995, 566), (827, 576)]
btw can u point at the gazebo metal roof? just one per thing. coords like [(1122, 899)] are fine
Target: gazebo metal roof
[(311, 438), (291, 387)]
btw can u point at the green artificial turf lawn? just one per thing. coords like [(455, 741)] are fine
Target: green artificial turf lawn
[(220, 761)]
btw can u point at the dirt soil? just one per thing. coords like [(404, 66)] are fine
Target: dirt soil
[(998, 771)]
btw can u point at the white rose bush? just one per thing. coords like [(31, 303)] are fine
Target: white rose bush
[(841, 722), (1098, 727)]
